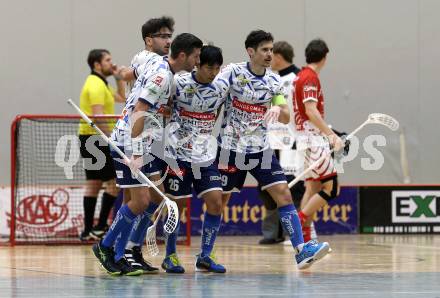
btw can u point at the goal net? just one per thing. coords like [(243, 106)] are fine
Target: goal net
[(47, 181)]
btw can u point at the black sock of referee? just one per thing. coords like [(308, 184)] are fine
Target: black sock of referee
[(107, 203), (89, 204)]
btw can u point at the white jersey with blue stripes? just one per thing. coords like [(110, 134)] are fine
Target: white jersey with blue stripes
[(195, 108), (154, 87), (248, 96), (144, 58)]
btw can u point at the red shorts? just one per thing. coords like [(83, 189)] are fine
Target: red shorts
[(312, 147)]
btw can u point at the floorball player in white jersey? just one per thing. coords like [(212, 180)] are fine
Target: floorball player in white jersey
[(254, 97), (191, 142), (136, 133), (156, 34)]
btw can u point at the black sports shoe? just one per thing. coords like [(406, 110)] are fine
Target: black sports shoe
[(98, 232), (106, 257), (127, 269), (135, 254), (85, 236), (267, 241)]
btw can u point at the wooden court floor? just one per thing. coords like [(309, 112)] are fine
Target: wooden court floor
[(359, 266)]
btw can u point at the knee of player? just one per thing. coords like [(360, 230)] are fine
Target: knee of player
[(330, 189), (225, 199), (111, 188), (284, 197), (214, 206), (142, 199)]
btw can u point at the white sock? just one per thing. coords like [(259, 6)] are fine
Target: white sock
[(130, 245), (299, 248)]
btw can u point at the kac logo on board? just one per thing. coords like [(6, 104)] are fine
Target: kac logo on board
[(419, 206)]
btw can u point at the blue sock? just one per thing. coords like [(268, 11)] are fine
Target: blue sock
[(139, 231), (211, 225), (120, 229), (291, 224), (172, 240)]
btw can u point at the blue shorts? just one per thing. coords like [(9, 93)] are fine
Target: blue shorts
[(262, 165), (124, 176), (203, 177)]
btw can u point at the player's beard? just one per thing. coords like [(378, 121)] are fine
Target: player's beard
[(107, 72), (161, 51)]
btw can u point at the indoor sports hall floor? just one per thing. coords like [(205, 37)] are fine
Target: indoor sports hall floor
[(359, 266)]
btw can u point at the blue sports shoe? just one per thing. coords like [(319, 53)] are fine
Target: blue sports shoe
[(311, 252), (209, 264), (171, 264)]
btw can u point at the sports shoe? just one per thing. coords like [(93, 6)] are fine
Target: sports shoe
[(268, 241), (127, 269), (85, 236), (209, 264), (171, 264), (106, 257), (312, 251), (135, 258), (98, 232)]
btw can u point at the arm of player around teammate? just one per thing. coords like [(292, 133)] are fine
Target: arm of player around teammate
[(120, 92), (223, 81), (138, 118), (315, 117), (119, 95), (126, 74), (149, 96)]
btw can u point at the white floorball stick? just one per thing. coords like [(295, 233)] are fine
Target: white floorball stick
[(375, 118), (171, 206)]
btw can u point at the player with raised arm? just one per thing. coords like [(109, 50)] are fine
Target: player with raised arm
[(191, 143), (135, 133), (254, 97), (314, 135)]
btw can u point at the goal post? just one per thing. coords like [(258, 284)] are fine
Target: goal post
[(47, 181)]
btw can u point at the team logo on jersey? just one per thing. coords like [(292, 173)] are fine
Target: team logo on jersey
[(308, 88), (189, 92), (158, 81), (242, 81)]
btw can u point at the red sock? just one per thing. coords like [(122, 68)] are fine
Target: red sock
[(306, 230), (302, 217), (307, 234)]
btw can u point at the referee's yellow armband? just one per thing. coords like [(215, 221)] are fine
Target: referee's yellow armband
[(278, 100)]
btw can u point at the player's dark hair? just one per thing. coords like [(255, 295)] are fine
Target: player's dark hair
[(154, 25), (284, 49), (256, 37), (316, 50), (211, 55), (185, 42), (96, 55)]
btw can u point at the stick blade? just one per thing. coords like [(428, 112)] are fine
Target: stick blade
[(152, 248), (385, 120), (172, 218)]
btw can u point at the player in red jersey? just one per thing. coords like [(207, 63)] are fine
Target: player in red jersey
[(315, 138)]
